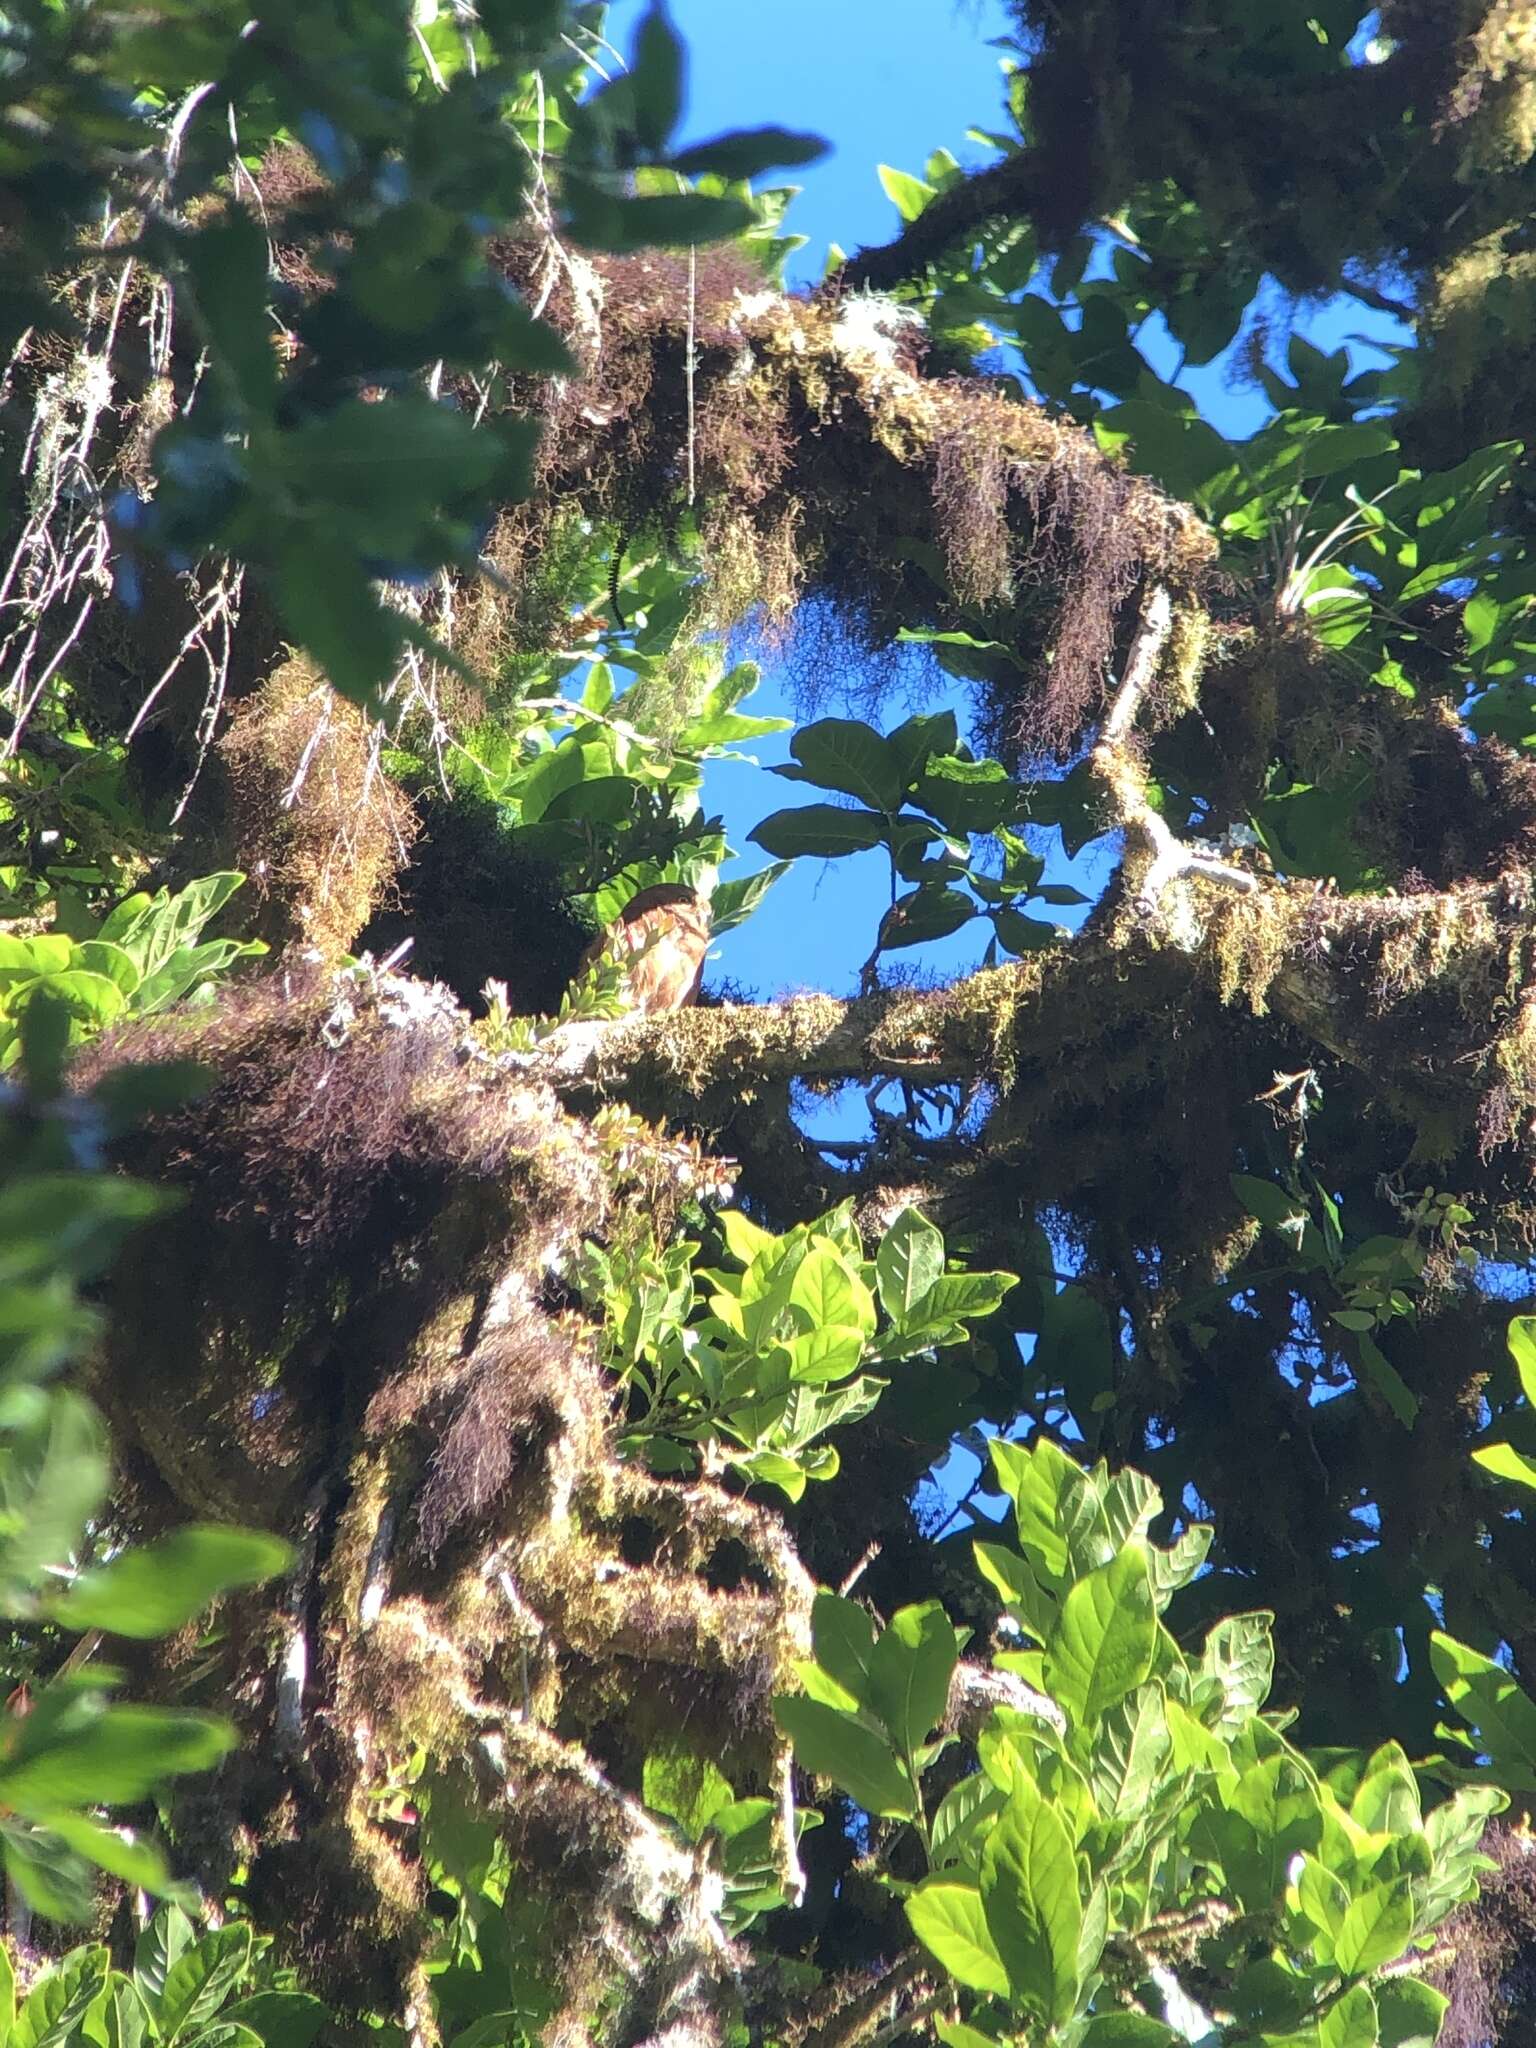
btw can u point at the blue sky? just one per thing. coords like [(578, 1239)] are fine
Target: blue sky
[(883, 81)]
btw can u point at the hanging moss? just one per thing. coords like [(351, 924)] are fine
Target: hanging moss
[(315, 821)]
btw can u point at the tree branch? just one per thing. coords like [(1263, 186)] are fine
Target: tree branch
[(1015, 187), (1124, 779)]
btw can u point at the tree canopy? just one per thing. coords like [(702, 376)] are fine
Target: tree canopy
[(500, 1446)]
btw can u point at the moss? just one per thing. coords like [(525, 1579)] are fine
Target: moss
[(317, 825), (1177, 688)]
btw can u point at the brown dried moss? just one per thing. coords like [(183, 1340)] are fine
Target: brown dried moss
[(316, 823), (366, 1340)]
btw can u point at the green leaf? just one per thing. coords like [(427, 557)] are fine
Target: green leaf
[(328, 605), (968, 796), (923, 915), (907, 194), (1388, 1382), (201, 1979), (819, 831), (59, 2000), (1409, 2012), (669, 220), (281, 2019), (1181, 451), (1273, 1206), (846, 754), (690, 1789), (1029, 1890), (909, 1672), (1351, 2022), (226, 262), (138, 1863), (1522, 1349), (844, 1638), (1505, 1462), (1329, 449), (1239, 1654), (1127, 2030), (169, 1934), (118, 1755), (1047, 1490), (908, 1265), (747, 153), (830, 1294), (835, 1745), (151, 1590), (956, 2034), (1376, 1930), (734, 902), (656, 78), (51, 1483), (1489, 1697), (1105, 1639), (948, 1919)]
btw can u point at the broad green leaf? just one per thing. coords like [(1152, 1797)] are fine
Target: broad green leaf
[(910, 1668), (923, 915), (830, 1294), (836, 1745), (169, 1935), (137, 1863), (846, 754), (281, 2019), (1503, 1715), (1132, 1748), (1376, 1930), (1105, 1639), (1522, 1349), (1128, 2030), (1409, 2012), (1388, 1381), (201, 1979), (948, 1919), (1351, 2023), (160, 1586), (126, 2017), (1323, 1897), (956, 2034), (744, 1239), (909, 1262), (961, 1815), (118, 1756), (1275, 1207), (53, 1478), (1048, 1494), (59, 2000), (677, 1781), (1029, 1891), (1273, 1813), (747, 153), (220, 2033), (1505, 1462), (844, 1638), (818, 832), (734, 902), (1239, 1655)]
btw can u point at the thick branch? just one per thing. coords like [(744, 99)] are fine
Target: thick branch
[(1124, 780), (1351, 975), (935, 1035)]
